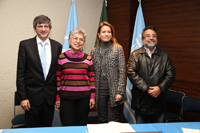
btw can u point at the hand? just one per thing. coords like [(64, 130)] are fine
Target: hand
[(154, 91), (118, 97), (58, 105), (92, 102), (25, 104)]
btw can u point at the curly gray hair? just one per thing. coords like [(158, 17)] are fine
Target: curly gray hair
[(77, 30)]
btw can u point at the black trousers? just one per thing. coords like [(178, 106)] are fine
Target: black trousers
[(106, 112), (145, 118), (40, 116), (74, 112)]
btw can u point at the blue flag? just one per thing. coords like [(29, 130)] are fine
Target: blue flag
[(136, 43), (71, 24)]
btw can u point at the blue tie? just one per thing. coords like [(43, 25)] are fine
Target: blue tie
[(43, 58)]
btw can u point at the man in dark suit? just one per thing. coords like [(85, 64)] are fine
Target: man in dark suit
[(36, 74)]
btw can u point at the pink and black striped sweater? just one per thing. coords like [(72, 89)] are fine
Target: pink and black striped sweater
[(75, 76)]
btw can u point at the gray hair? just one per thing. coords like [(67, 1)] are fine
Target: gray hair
[(77, 30)]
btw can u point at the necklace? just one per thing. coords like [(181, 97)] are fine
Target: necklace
[(103, 73)]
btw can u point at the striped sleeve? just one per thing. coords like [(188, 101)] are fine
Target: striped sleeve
[(59, 77), (91, 77)]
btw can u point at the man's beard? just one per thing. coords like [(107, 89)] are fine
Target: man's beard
[(150, 46)]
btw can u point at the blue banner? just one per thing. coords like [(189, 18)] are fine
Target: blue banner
[(71, 24), (136, 43)]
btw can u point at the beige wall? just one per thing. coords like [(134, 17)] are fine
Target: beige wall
[(16, 18)]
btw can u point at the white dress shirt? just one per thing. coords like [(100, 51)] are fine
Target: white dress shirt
[(148, 51), (48, 52)]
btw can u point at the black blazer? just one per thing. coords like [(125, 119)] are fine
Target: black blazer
[(30, 79)]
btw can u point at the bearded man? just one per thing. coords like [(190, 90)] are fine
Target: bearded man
[(151, 71)]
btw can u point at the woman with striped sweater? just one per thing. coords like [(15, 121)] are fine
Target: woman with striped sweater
[(75, 82)]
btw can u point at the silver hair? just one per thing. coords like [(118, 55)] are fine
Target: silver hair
[(77, 30)]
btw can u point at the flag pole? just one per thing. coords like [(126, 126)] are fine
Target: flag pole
[(129, 113), (71, 24), (103, 17)]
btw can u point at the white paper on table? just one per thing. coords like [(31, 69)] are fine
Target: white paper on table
[(121, 127), (99, 128), (111, 127), (188, 130)]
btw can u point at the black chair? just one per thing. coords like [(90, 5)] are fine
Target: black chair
[(174, 106), (191, 108), (18, 120)]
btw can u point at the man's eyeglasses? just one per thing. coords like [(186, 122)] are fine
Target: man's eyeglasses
[(149, 36), (76, 39)]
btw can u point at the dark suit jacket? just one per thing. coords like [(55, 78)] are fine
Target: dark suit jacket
[(30, 79)]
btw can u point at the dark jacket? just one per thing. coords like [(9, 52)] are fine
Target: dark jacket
[(143, 72), (30, 79)]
